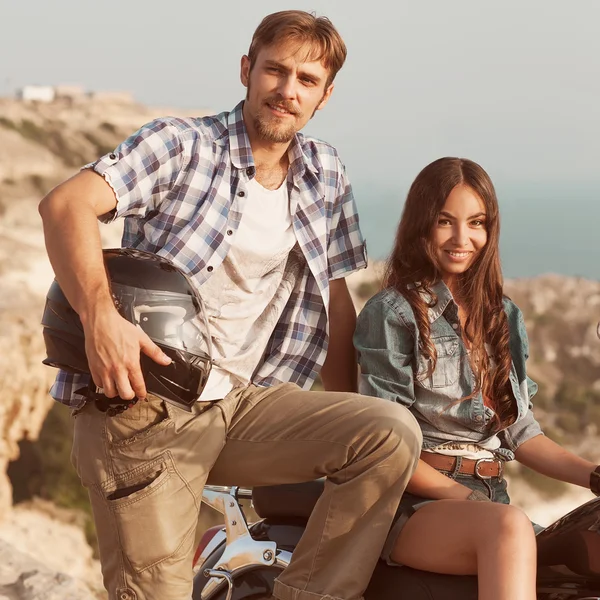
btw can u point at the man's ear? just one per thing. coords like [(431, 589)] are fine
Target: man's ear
[(245, 70), (325, 97)]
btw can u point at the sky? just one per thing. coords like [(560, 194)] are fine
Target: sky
[(514, 86)]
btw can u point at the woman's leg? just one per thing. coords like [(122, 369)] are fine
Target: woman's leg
[(459, 537)]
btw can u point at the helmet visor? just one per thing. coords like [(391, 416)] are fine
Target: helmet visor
[(175, 320)]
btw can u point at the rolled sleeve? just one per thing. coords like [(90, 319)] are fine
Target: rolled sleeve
[(385, 349), (521, 431), (532, 386), (346, 250), (142, 170), (526, 427)]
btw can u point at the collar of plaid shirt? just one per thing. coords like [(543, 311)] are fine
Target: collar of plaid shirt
[(324, 218)]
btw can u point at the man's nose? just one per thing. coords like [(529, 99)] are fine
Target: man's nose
[(288, 87)]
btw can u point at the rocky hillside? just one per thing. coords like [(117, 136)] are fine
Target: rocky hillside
[(42, 144)]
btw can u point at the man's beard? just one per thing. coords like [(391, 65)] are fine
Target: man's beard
[(270, 130), (273, 133)]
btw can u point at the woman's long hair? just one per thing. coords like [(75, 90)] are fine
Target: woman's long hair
[(413, 268)]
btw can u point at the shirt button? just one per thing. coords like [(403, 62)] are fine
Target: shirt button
[(210, 268), (250, 171), (112, 156), (230, 232), (478, 419), (455, 326), (241, 193)]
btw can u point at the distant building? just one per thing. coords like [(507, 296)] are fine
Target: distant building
[(36, 93)]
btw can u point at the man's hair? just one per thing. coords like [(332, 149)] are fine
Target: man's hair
[(325, 42)]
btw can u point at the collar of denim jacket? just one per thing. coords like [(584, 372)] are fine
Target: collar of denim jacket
[(444, 297)]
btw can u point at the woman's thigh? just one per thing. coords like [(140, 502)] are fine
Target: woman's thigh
[(444, 536)]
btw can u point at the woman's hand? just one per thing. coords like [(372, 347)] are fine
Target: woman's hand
[(478, 496)]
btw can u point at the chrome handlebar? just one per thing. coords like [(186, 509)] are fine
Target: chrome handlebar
[(233, 490)]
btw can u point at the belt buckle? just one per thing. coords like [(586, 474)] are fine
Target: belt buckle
[(485, 460)]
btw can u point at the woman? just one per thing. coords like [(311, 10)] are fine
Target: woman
[(442, 339)]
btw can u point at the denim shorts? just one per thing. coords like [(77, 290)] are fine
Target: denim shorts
[(494, 488)]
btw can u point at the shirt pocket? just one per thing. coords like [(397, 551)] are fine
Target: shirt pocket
[(447, 368)]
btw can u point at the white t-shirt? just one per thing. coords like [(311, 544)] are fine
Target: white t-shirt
[(247, 293)]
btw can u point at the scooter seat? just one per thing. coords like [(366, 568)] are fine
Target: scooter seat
[(295, 500)]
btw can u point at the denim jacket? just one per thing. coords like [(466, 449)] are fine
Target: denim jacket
[(387, 341)]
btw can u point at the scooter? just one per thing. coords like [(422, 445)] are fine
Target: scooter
[(240, 561)]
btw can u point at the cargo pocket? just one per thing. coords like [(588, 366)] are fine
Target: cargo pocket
[(154, 510), (447, 368), (138, 423)]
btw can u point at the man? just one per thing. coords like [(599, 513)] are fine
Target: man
[(264, 221)]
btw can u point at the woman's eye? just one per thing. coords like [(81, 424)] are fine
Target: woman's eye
[(477, 223), (443, 222)]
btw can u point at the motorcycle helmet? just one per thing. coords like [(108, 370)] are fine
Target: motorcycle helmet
[(153, 294)]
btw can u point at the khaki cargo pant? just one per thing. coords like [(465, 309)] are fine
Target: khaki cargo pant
[(145, 470)]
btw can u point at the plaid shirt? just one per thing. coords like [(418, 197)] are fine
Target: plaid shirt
[(181, 185)]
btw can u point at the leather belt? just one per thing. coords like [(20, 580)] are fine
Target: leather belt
[(483, 468)]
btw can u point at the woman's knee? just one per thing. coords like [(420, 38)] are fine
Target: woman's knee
[(510, 523)]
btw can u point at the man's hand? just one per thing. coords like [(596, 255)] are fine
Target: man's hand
[(112, 346)]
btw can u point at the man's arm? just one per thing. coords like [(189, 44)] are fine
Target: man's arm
[(339, 373), (69, 213)]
